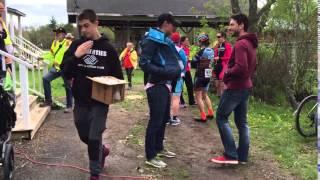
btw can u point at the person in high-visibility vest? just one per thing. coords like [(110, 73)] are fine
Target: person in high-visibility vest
[(58, 48), (7, 41)]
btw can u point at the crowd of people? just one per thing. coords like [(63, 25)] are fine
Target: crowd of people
[(166, 62)]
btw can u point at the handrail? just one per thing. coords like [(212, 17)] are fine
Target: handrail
[(18, 60), (29, 43)]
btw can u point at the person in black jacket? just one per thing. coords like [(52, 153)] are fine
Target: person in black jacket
[(160, 60), (91, 56)]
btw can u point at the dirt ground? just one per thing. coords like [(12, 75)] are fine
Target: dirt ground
[(57, 142)]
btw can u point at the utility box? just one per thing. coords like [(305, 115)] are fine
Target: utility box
[(107, 89)]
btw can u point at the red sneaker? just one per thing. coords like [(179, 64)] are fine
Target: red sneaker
[(224, 160), (94, 178), (105, 153)]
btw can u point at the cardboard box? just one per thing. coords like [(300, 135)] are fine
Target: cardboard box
[(107, 89)]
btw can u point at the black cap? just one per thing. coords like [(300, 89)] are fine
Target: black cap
[(60, 30), (169, 18)]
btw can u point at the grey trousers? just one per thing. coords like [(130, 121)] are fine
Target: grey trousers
[(90, 123)]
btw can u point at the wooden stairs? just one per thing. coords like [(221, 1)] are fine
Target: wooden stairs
[(37, 116)]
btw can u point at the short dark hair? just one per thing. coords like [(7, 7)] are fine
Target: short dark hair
[(223, 34), (88, 14), (183, 38), (166, 17), (241, 19)]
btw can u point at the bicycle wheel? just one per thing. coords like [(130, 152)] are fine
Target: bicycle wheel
[(306, 117)]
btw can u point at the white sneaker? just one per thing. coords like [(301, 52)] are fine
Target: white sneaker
[(175, 122), (167, 153), (156, 163)]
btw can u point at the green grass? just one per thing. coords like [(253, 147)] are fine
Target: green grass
[(272, 129), (56, 85)]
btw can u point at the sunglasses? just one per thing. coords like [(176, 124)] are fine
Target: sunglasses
[(218, 36)]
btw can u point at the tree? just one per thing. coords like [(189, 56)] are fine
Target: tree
[(257, 17), (53, 23)]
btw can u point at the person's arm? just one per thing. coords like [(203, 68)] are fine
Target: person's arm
[(68, 63), (240, 67), (184, 60), (227, 53), (123, 53), (3, 33), (148, 51), (195, 59), (114, 63), (134, 58)]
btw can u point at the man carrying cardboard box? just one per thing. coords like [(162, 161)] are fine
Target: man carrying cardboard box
[(90, 56)]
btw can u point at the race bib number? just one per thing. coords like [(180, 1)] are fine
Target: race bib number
[(208, 73)]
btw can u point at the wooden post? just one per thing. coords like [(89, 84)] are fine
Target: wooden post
[(19, 26), (25, 96)]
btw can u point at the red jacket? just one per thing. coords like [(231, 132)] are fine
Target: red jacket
[(242, 63), (187, 51), (225, 58)]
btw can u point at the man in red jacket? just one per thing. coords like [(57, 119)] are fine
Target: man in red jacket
[(238, 83)]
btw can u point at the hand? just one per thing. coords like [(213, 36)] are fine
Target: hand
[(55, 63), (216, 58), (83, 49)]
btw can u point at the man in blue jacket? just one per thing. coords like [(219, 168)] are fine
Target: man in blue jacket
[(160, 60)]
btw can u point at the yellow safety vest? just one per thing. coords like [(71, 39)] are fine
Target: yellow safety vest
[(58, 52), (8, 40)]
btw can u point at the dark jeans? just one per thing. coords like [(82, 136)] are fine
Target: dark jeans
[(90, 123), (129, 74), (145, 78), (237, 101), (159, 104), (188, 80), (50, 76)]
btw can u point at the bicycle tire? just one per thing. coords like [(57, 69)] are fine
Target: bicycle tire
[(298, 127)]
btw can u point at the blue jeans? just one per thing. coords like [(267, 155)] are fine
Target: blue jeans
[(159, 100), (50, 76), (234, 101)]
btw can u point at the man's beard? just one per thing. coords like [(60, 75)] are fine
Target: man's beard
[(236, 34)]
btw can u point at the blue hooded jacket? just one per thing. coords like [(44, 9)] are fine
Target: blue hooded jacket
[(159, 58)]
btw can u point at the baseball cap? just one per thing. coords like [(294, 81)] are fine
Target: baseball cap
[(60, 30), (169, 18), (175, 37)]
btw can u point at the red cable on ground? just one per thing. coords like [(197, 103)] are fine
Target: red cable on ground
[(25, 156)]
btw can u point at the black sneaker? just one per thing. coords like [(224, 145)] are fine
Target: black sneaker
[(210, 117), (46, 104)]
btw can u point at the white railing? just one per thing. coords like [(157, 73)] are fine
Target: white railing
[(27, 45), (24, 84), (32, 54)]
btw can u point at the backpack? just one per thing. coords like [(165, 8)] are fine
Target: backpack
[(7, 114)]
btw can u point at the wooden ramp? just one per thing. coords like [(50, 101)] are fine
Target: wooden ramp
[(37, 116)]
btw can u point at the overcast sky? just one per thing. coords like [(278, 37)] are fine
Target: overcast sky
[(39, 12)]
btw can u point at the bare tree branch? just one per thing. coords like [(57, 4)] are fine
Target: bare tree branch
[(266, 8)]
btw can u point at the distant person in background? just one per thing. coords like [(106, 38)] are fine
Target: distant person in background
[(203, 63), (58, 48), (69, 37), (129, 60), (7, 40), (223, 52), (177, 85), (184, 42)]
